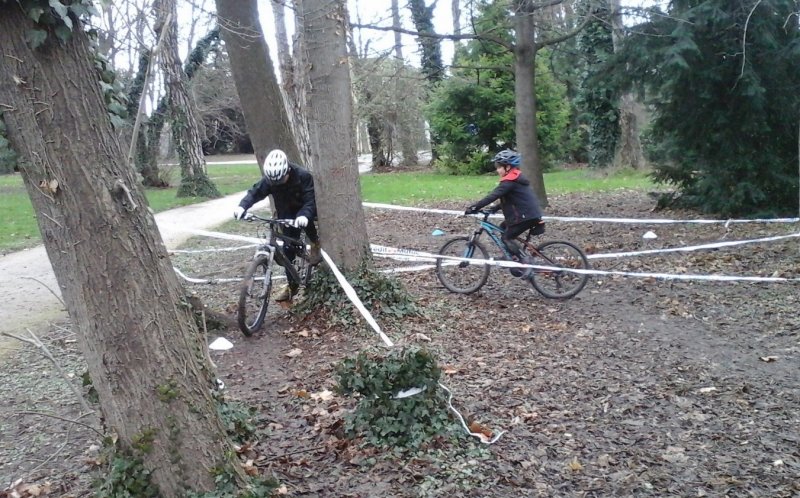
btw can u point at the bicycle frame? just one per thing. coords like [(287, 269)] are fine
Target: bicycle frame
[(493, 231), (273, 247)]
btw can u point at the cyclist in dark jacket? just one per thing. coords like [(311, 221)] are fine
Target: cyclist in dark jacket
[(517, 200), (292, 190)]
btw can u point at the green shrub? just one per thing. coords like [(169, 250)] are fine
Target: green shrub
[(382, 419)]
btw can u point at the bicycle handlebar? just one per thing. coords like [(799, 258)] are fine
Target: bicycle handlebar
[(271, 221)]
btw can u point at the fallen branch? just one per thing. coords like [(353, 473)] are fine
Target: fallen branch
[(48, 288), (58, 417)]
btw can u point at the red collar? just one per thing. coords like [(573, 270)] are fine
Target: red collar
[(511, 175)]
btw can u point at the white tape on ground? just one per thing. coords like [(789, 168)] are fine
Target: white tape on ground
[(220, 249), (512, 264), (351, 293), (713, 245), (655, 221)]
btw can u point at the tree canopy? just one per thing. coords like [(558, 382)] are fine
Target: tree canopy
[(723, 83)]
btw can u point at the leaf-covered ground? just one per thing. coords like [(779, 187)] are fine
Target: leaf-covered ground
[(637, 387)]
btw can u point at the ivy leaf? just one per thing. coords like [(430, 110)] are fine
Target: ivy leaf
[(61, 10), (35, 37), (35, 13), (63, 33)]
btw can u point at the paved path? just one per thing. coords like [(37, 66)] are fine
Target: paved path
[(26, 299), (28, 284)]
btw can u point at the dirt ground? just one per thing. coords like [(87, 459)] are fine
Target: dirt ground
[(637, 387)]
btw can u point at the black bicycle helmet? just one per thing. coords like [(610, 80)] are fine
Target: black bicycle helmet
[(507, 157)]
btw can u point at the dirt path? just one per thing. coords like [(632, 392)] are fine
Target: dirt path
[(637, 387)]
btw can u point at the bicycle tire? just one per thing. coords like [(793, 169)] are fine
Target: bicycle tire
[(559, 284), (254, 296), (462, 278)]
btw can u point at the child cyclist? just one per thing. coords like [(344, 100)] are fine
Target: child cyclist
[(517, 200)]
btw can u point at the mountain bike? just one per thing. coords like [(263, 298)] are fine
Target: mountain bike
[(465, 277), (257, 285)]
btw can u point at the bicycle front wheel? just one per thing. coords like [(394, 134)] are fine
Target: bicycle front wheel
[(462, 277), (254, 296), (559, 284)]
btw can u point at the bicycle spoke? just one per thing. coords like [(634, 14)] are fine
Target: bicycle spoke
[(462, 277), (554, 283)]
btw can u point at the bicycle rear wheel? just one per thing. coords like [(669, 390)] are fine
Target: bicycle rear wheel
[(557, 284), (462, 277), (254, 296)]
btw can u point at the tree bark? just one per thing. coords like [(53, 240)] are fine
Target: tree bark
[(256, 84), (330, 116), (292, 83), (629, 147), (144, 352), (185, 128), (524, 91)]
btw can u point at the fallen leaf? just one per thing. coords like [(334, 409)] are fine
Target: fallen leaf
[(449, 370), (294, 352), (575, 465), (706, 390), (323, 395), (303, 333), (477, 428), (283, 490), (250, 469), (769, 359), (302, 393), (422, 337)]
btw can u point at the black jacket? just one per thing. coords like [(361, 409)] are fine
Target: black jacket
[(292, 199), (517, 199)]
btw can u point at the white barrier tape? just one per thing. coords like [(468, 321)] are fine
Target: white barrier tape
[(213, 281), (482, 437), (351, 293), (219, 235), (655, 221), (221, 249), (666, 276), (205, 280), (714, 245)]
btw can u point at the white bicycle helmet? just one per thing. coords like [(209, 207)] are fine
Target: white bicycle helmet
[(276, 165)]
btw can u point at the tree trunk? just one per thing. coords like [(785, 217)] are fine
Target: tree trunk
[(455, 10), (524, 91), (292, 76), (144, 352), (256, 84), (330, 116), (398, 37), (629, 147), (185, 128)]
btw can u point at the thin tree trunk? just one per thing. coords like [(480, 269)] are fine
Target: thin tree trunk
[(290, 82), (398, 37), (256, 84), (330, 110), (185, 128), (629, 147), (144, 352)]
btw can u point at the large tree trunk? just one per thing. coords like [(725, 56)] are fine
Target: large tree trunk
[(524, 91), (185, 128), (629, 147), (145, 355), (256, 84), (330, 111)]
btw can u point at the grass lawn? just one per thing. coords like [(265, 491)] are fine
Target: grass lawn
[(18, 228), (429, 188)]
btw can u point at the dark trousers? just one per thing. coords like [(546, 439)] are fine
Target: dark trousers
[(514, 231), (294, 232)]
